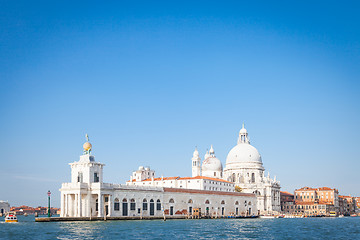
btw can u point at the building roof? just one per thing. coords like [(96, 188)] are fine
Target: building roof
[(286, 193), (203, 177), (195, 191), (305, 189), (179, 178), (325, 188)]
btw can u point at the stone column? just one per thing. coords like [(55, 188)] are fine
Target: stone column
[(79, 205), (76, 205), (100, 205), (62, 205), (110, 205)]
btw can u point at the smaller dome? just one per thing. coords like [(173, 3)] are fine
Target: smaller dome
[(212, 164), (141, 168), (87, 146)]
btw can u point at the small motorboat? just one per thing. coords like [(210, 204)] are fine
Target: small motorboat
[(341, 216), (267, 216), (11, 217)]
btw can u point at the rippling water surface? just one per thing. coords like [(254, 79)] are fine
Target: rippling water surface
[(300, 228)]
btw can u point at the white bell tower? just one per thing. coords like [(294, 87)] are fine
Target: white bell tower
[(196, 161)]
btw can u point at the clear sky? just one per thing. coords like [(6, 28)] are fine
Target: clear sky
[(149, 81)]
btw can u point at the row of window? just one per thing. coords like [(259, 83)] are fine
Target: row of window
[(132, 202)]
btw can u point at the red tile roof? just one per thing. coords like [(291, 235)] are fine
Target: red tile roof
[(286, 193), (325, 188), (306, 189)]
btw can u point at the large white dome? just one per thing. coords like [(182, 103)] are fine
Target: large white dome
[(212, 164), (243, 153)]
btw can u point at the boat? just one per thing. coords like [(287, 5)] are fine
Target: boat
[(341, 216), (267, 216), (353, 215), (333, 214), (11, 217)]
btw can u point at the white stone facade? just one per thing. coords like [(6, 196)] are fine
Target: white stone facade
[(88, 196), (4, 207), (244, 167), (199, 183)]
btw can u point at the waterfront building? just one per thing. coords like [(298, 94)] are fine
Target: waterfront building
[(88, 196), (357, 201), (287, 202), (26, 210), (198, 182), (313, 209), (244, 169), (347, 205), (316, 201), (4, 207)]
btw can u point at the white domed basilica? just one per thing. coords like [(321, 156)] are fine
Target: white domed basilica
[(245, 169)]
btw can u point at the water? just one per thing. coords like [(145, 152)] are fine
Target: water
[(300, 228)]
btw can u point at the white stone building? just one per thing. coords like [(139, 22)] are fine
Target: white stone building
[(4, 207), (244, 169), (88, 196)]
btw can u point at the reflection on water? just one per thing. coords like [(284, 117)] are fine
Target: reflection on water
[(311, 228)]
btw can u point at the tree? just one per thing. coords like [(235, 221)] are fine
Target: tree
[(238, 189)]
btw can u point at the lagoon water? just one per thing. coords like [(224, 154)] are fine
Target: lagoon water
[(300, 228)]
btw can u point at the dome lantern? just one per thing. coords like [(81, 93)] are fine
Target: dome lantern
[(243, 136)]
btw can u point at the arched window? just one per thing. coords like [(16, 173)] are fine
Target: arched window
[(190, 201), (222, 202), (171, 200), (236, 203), (132, 204), (233, 177), (151, 200), (253, 177), (116, 204), (242, 179), (97, 205), (145, 205), (207, 202), (245, 203), (249, 203), (158, 205), (124, 200)]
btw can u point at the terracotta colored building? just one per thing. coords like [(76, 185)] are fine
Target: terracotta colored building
[(316, 201), (287, 202)]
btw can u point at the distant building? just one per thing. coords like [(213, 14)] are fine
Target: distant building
[(347, 205), (316, 201), (4, 207), (357, 201), (287, 202), (21, 210)]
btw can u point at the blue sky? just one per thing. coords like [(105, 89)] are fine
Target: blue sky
[(150, 81)]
